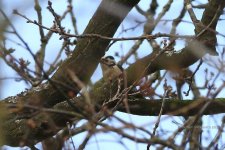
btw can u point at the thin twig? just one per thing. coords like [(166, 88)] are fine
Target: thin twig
[(158, 118)]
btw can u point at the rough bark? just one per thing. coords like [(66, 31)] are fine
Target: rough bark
[(83, 62), (33, 129), (174, 107)]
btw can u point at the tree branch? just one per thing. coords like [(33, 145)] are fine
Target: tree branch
[(82, 63), (28, 131)]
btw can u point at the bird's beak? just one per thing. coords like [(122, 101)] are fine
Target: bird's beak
[(102, 60)]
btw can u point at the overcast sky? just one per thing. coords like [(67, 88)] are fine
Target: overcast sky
[(84, 12)]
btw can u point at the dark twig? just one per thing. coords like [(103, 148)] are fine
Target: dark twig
[(192, 77)]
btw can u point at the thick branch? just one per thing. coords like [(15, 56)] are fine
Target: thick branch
[(83, 62), (88, 52), (174, 107), (196, 49)]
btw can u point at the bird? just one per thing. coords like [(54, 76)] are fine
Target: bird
[(110, 69), (112, 72)]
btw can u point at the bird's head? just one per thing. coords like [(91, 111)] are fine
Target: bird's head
[(108, 61)]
